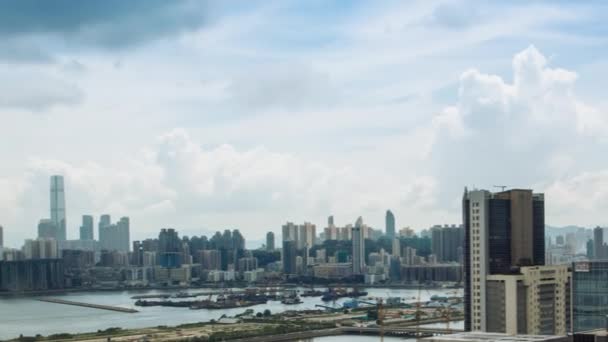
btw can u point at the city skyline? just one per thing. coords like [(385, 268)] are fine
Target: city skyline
[(358, 120)]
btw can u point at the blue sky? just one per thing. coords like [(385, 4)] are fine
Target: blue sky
[(204, 115)]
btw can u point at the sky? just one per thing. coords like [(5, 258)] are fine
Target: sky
[(213, 115)]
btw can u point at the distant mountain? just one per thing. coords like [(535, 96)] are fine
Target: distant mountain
[(552, 230)]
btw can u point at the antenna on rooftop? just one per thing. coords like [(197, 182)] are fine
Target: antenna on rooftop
[(502, 187)]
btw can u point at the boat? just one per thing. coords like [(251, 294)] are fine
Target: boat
[(291, 300), (311, 293)]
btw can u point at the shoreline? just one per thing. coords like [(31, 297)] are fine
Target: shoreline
[(27, 294)]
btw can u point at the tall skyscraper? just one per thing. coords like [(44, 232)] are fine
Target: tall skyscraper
[(390, 224), (503, 232), (103, 234), (330, 221), (1, 237), (289, 254), (86, 230), (358, 247), (58, 206), (270, 241), (598, 244)]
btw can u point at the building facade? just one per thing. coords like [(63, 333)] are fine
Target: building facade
[(535, 301), (86, 230), (503, 232), (589, 295)]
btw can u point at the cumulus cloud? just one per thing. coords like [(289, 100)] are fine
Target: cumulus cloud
[(520, 134)]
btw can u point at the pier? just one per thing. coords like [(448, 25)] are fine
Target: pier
[(88, 305)]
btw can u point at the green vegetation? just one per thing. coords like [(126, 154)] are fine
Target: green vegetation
[(265, 330)]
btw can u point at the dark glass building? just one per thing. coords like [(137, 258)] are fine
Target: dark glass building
[(589, 295), (289, 257)]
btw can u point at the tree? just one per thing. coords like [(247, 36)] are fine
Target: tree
[(258, 315), (267, 313)]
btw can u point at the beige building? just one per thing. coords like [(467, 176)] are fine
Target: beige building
[(535, 302)]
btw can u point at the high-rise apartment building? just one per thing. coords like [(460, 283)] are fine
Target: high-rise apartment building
[(86, 230), (169, 248), (446, 241), (306, 235), (58, 206), (589, 295), (47, 229), (358, 254), (504, 231), (211, 259), (396, 248), (390, 224), (45, 248), (290, 232), (270, 241), (330, 221), (114, 237)]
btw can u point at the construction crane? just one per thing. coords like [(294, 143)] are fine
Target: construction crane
[(446, 311), (502, 187), (418, 312)]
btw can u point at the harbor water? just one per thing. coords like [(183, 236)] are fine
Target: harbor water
[(28, 316)]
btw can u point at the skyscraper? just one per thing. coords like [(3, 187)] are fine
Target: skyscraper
[(358, 247), (289, 257), (330, 221), (598, 243), (58, 206), (503, 232), (270, 241), (390, 224), (1, 237), (86, 230)]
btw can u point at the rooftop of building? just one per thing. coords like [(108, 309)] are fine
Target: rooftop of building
[(483, 337)]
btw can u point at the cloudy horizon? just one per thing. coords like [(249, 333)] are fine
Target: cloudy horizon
[(205, 115)]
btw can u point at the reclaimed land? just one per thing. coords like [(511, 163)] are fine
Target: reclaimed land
[(270, 330)]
